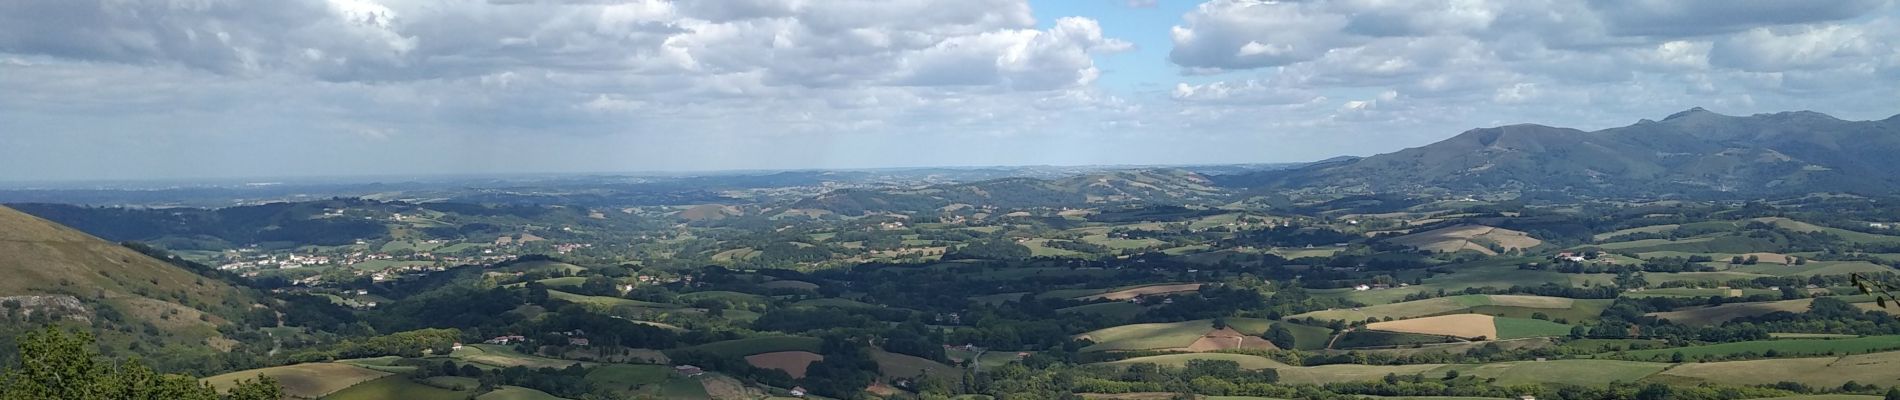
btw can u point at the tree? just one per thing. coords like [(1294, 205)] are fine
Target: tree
[(56, 365), (1281, 337), (1893, 393)]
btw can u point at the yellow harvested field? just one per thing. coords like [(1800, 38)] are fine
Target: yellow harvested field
[(1228, 338), (792, 362), (1144, 291), (1467, 237), (1514, 300), (305, 381), (1456, 325)]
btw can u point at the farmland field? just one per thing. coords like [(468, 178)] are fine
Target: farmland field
[(625, 377), (605, 301), (1876, 368), (503, 357), (1515, 328), (398, 387), (304, 380), (1456, 325), (516, 393), (1572, 372)]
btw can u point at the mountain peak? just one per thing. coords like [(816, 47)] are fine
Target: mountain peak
[(1690, 112)]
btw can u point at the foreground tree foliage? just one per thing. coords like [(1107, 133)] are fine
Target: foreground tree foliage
[(58, 365)]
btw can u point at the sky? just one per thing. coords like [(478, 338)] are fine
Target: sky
[(176, 89)]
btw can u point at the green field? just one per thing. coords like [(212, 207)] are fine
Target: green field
[(1695, 292), (398, 387), (893, 365), (605, 301), (1814, 268), (727, 296), (1787, 347), (627, 377), (1516, 328), (1178, 360), (1172, 335), (516, 393), (1876, 368), (303, 380), (1572, 372), (750, 346), (495, 356), (1509, 306)]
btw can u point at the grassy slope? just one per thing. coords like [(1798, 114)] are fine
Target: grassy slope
[(303, 380), (41, 257), (397, 387)]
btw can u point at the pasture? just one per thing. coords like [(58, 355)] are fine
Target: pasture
[(494, 356), (1876, 369), (894, 365), (1455, 325), (303, 380), (516, 393), (398, 387), (1571, 372), (1181, 335)]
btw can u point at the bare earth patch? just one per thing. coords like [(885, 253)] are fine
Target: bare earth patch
[(1458, 325), (1228, 338), (1467, 237), (792, 362)]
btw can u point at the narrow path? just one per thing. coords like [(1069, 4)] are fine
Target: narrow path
[(1335, 339)]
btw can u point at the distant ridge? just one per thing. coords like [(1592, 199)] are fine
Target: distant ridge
[(1695, 151)]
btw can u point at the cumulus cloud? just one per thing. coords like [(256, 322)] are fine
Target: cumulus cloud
[(1470, 54)]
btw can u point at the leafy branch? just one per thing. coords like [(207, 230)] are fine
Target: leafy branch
[(1882, 291)]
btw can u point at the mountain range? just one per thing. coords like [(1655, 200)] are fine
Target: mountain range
[(1694, 152)]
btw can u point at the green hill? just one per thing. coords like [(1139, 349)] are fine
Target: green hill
[(79, 279)]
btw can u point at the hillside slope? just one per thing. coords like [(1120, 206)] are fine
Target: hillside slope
[(55, 274), (1694, 151)]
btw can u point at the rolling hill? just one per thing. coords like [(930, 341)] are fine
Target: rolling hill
[(1694, 151), (75, 278)]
